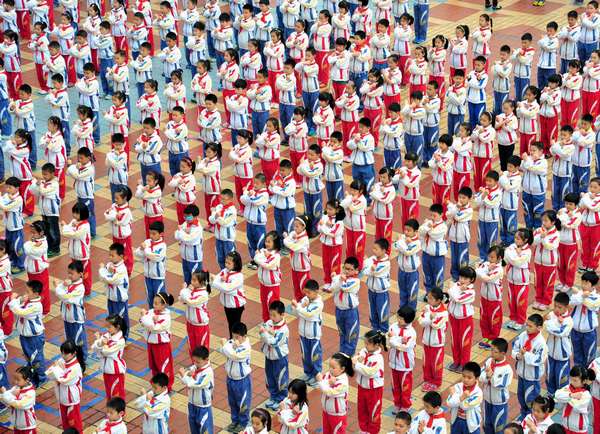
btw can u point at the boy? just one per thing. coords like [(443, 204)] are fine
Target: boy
[(237, 105), (286, 87), (534, 168), (117, 162), (170, 56), (383, 194), (5, 119), (568, 38), (360, 59), (403, 340), (496, 377), (282, 189), (116, 279), (584, 139), (435, 247), (380, 46), (377, 269), (501, 72), (488, 201), (393, 137), (459, 218), (11, 203), (89, 94), (176, 132), (274, 335), (309, 311), (148, 148), (153, 252), (189, 234), (408, 178), (568, 250), (255, 199), (586, 303), (22, 109), (562, 168), (47, 190), (333, 155), (222, 36), (118, 76), (476, 84), (430, 420), (345, 288), (309, 69), (510, 183), (297, 133), (58, 98), (414, 113), (30, 326), (81, 52), (530, 351), (548, 50), (260, 96), (588, 37), (409, 247), (465, 401), (401, 423), (558, 325), (115, 411), (239, 381), (155, 405), (142, 67), (83, 173), (224, 219), (431, 124), (456, 101), (199, 380), (441, 165), (311, 169), (105, 43), (362, 145), (209, 121)]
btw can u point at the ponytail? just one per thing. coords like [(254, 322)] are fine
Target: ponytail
[(376, 337), (70, 347)]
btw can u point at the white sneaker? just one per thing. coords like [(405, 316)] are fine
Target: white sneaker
[(559, 287)]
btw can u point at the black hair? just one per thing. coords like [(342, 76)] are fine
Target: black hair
[(340, 214), (298, 387), (48, 167), (246, 135), (76, 266), (405, 416), (118, 322), (586, 375), (192, 163), (555, 78), (433, 398), (117, 404), (467, 272), (438, 294), (545, 402), (277, 241), (551, 215), (359, 186), (27, 372), (328, 98), (492, 174), (562, 298), (536, 319), (39, 226), (437, 208), (239, 328), (118, 248), (383, 244), (201, 352), (466, 191), (160, 179), (351, 260), (514, 428), (35, 286), (500, 344), (236, 259), (203, 278), (556, 428), (13, 182), (277, 306), (376, 337), (264, 416), (526, 234), (311, 285), (591, 277), (472, 367), (124, 191), (407, 313), (192, 210), (157, 226), (515, 160), (498, 251), (446, 139), (412, 223), (70, 347), (345, 362), (166, 298), (161, 379), (366, 122)]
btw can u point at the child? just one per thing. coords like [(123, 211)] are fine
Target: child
[(209, 121), (148, 148), (355, 204), (496, 378), (518, 257), (421, 14), (339, 62), (282, 190), (309, 71), (460, 310), (194, 295), (151, 196), (393, 137), (237, 107), (155, 404), (268, 144), (585, 303), (334, 392), (462, 146), (309, 311), (590, 206), (22, 108), (582, 157), (184, 183), (540, 417), (590, 96), (120, 217), (501, 72), (409, 247), (488, 201), (530, 351), (577, 399), (297, 131), (175, 92), (239, 380), (377, 270), (465, 401), (346, 287), (369, 367), (431, 124), (459, 45), (55, 150), (527, 113), (558, 325), (548, 49), (380, 47), (441, 165), (510, 184), (105, 43), (571, 94), (115, 411), (324, 117), (363, 146), (506, 130), (260, 423), (349, 102), (116, 279), (223, 219), (142, 66), (80, 51), (534, 167), (311, 169), (432, 418), (230, 284), (199, 380), (12, 206), (546, 239), (153, 253), (254, 201), (491, 274), (12, 60), (414, 114), (549, 111), (435, 247), (562, 168), (297, 242), (260, 96), (274, 335), (408, 178), (269, 274), (83, 172), (483, 141), (177, 138), (149, 103), (118, 119), (434, 320), (456, 100), (459, 218), (21, 400), (476, 84), (403, 340), (7, 285), (293, 411), (110, 347), (383, 194), (83, 130), (170, 55), (568, 252), (68, 372), (36, 264)]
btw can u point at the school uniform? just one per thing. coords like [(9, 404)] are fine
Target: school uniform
[(408, 269), (274, 341), (242, 157), (490, 320), (488, 203), (324, 121), (334, 402), (12, 65), (362, 147), (413, 129), (36, 265), (157, 331), (431, 126), (268, 145), (459, 234), (568, 250), (297, 136), (575, 413), (21, 401), (434, 321), (282, 191), (68, 388), (534, 189), (483, 143), (510, 185), (545, 260), (403, 340), (435, 248), (562, 171), (559, 350), (462, 164), (110, 350), (197, 316), (549, 115), (590, 233), (148, 148), (377, 271), (355, 225), (588, 36), (72, 310), (150, 107), (383, 196), (116, 280), (393, 140), (403, 35), (547, 59), (345, 297), (237, 106), (200, 384), (239, 382), (25, 119), (269, 277), (527, 114), (370, 370), (153, 254), (300, 260), (465, 414), (595, 391), (359, 65), (184, 185), (421, 14), (230, 285), (530, 367), (151, 205), (12, 207), (331, 236), (540, 425), (570, 99), (312, 186), (348, 105), (585, 323), (56, 153), (434, 424), (339, 64), (495, 394), (156, 411), (224, 219), (501, 72), (456, 100), (507, 137), (408, 181), (309, 328), (476, 83), (481, 43), (460, 311)]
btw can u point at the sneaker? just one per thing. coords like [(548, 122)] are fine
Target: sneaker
[(231, 427), (239, 428), (497, 8), (304, 378), (582, 269), (428, 387), (347, 159), (42, 92), (537, 306), (52, 254), (272, 404), (454, 367), (16, 270), (312, 383), (485, 344), (559, 287), (326, 288), (252, 265), (284, 251)]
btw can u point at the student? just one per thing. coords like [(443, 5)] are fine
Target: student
[(151, 196), (481, 36), (585, 303), (434, 320), (462, 147), (562, 167), (495, 379), (506, 125), (199, 380), (345, 287), (491, 273), (155, 404), (459, 218), (558, 325), (588, 40), (297, 242), (296, 131), (12, 60), (333, 156), (476, 84), (268, 144), (105, 43), (153, 253), (414, 115), (460, 310), (403, 340), (309, 84), (110, 347), (589, 228), (309, 311), (293, 413), (550, 98), (433, 233), (274, 336), (488, 201), (577, 399), (377, 270), (239, 379), (260, 96), (116, 279), (36, 265), (501, 72), (282, 189), (409, 247), (149, 103), (510, 185), (120, 218), (184, 181), (334, 392), (408, 178), (582, 157), (570, 98), (269, 274), (142, 67), (311, 170), (527, 113), (540, 417), (383, 194), (530, 351), (393, 135), (441, 165), (115, 411), (118, 75), (83, 129), (170, 56), (548, 49), (22, 108), (324, 117), (354, 205), (534, 167), (546, 240), (12, 205), (177, 139), (568, 253), (230, 284), (432, 417), (362, 145), (195, 296), (21, 400), (58, 99), (456, 100), (148, 148), (175, 92), (223, 217), (483, 138), (465, 401), (237, 107), (431, 125), (55, 152)]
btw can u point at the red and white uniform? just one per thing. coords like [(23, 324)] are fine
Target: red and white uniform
[(490, 320), (369, 376), (185, 192), (197, 316), (149, 106), (331, 235), (483, 148), (590, 230), (403, 340), (120, 219), (334, 402), (110, 349), (460, 310), (575, 413), (441, 168), (210, 170), (21, 401), (458, 54), (549, 114), (299, 245), (517, 275), (230, 285), (570, 99), (418, 69), (546, 260), (590, 89), (356, 226), (409, 191), (151, 204), (434, 321), (324, 119), (527, 113), (157, 329), (481, 46), (463, 163), (68, 389), (468, 408), (241, 155), (383, 196), (568, 251), (269, 278)]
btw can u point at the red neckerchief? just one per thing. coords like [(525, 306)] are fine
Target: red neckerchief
[(529, 342), (569, 407), (433, 418), (495, 364), (155, 243)]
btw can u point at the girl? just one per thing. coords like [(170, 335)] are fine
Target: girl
[(297, 133), (157, 328), (229, 72), (17, 152), (149, 103), (251, 63), (68, 374), (331, 230), (184, 184), (55, 152), (65, 33), (12, 62), (568, 250), (210, 170), (434, 320), (120, 218), (36, 264), (293, 410), (79, 241), (117, 17), (260, 420), (590, 89), (369, 366), (84, 128), (570, 95), (241, 155), (518, 257), (527, 113), (91, 25), (590, 233), (230, 284), (268, 144), (372, 92), (201, 83), (403, 35), (175, 92), (110, 347), (550, 112), (546, 240), (355, 206), (195, 298), (39, 47), (506, 131), (491, 273), (21, 400), (418, 70), (274, 51), (459, 45), (324, 118), (118, 118), (538, 421), (334, 393), (339, 62), (482, 36), (460, 315), (483, 137), (298, 243), (151, 197), (341, 22), (462, 146), (269, 274), (321, 41), (6, 284), (437, 64), (577, 399)]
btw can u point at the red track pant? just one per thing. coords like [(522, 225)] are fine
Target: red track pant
[(410, 209), (299, 278), (272, 79), (517, 302), (121, 44), (240, 184), (374, 115), (355, 245), (70, 62), (24, 24), (590, 245), (28, 199), (41, 76), (71, 417), (369, 403), (128, 258), (348, 129), (269, 169), (525, 140), (87, 276), (402, 382), (114, 385), (590, 103), (268, 294), (548, 132), (403, 62), (433, 364), (334, 424), (383, 229), (149, 220), (339, 87), (229, 92), (25, 431), (568, 254), (482, 166), (15, 80), (462, 338), (441, 92), (321, 59), (390, 99), (569, 113), (61, 176), (490, 320), (160, 359), (198, 336), (545, 277), (296, 158), (459, 180), (95, 61), (596, 421), (210, 201), (8, 318), (332, 261), (441, 194), (45, 279)]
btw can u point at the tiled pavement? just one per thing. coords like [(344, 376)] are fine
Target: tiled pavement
[(516, 17)]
